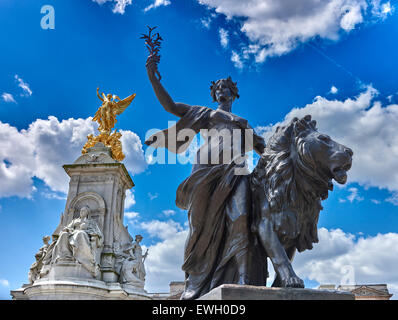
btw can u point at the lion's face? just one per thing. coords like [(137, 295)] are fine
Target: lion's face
[(332, 159)]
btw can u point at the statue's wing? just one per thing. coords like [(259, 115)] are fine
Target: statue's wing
[(123, 104), (97, 115)]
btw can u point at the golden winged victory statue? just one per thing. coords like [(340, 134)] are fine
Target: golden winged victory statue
[(111, 107)]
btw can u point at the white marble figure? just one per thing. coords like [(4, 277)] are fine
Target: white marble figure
[(34, 272), (80, 241), (132, 269)]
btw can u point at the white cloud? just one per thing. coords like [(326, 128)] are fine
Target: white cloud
[(206, 22), (352, 15), (56, 143), (157, 3), (17, 162), (152, 196), (132, 148), (375, 201), (53, 195), (129, 201), (119, 5), (371, 259), (365, 126), (382, 9), (27, 92), (42, 149), (354, 195), (224, 40), (161, 229), (235, 58), (4, 283), (131, 215), (393, 199), (169, 213), (333, 90), (8, 97), (278, 27), (164, 262)]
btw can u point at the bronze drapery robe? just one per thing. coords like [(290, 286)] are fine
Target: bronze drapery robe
[(219, 224)]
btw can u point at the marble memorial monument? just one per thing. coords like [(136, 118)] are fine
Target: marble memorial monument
[(92, 255)]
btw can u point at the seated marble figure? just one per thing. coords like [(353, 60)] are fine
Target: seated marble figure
[(80, 241)]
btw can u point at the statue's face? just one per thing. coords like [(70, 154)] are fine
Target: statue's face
[(109, 96), (223, 93), (83, 212)]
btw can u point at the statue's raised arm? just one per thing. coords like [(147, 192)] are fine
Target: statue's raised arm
[(152, 42), (98, 95)]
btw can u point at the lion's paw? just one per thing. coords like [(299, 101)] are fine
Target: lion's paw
[(293, 282)]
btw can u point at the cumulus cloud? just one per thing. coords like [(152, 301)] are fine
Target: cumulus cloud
[(370, 260), (119, 5), (364, 125), (8, 97), (42, 149), (129, 201), (16, 162), (164, 261), (278, 27), (132, 148), (161, 229)]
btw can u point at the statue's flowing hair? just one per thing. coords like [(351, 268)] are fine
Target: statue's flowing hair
[(285, 170), (231, 85)]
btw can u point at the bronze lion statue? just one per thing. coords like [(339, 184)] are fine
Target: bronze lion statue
[(291, 178)]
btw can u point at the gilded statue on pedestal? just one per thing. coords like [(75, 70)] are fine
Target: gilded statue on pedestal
[(106, 117)]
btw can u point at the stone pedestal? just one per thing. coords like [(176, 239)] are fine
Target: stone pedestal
[(244, 292), (77, 289), (97, 186)]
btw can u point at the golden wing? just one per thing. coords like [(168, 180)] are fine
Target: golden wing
[(123, 104), (97, 115)]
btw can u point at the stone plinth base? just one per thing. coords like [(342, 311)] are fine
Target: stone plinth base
[(77, 289), (244, 292), (69, 270)]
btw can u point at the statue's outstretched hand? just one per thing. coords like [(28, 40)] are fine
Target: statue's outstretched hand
[(152, 66)]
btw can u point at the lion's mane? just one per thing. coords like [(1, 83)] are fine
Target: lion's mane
[(289, 177)]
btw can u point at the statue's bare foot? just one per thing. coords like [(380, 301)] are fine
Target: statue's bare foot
[(293, 282)]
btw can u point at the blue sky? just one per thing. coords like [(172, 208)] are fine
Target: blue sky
[(286, 60)]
